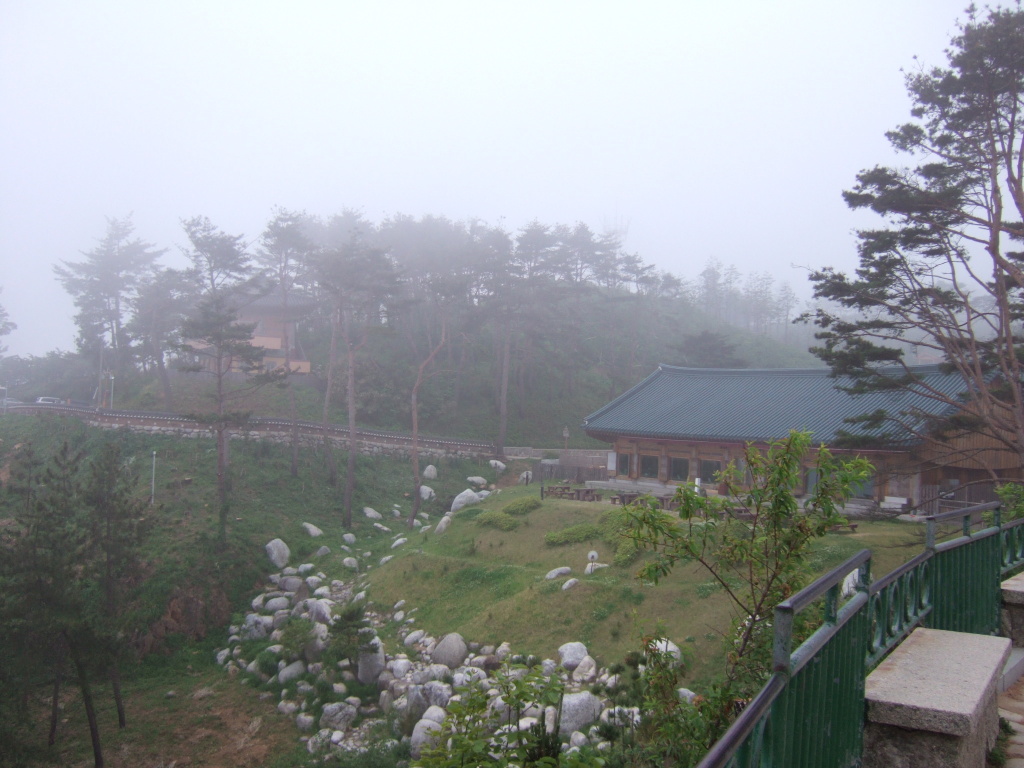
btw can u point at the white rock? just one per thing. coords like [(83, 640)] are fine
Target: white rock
[(349, 538), (430, 472), (399, 542), (525, 478), (312, 530), (380, 527), (476, 480), (571, 654), (570, 584), (468, 496), (414, 637), (592, 567), (578, 711), (586, 671), (427, 493), (423, 733), (338, 715), (386, 558), (667, 646), (304, 722), (497, 466), (322, 552), (554, 573), (286, 707), (291, 672), (442, 525), (278, 553), (450, 650), (351, 562), (372, 513)]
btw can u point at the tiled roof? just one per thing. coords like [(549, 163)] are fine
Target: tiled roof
[(757, 405)]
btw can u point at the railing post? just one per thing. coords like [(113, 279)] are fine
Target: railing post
[(783, 640), (929, 538)]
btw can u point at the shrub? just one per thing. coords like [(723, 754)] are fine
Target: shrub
[(574, 534), (499, 520), (522, 506)]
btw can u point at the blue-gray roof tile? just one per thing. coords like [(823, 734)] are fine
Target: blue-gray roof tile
[(758, 405)]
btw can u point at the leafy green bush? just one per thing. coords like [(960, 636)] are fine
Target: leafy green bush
[(499, 520), (574, 534), (469, 514), (266, 663), (522, 506)]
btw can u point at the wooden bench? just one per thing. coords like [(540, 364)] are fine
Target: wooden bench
[(893, 503), (933, 701)]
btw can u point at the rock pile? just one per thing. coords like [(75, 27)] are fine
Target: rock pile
[(415, 681)]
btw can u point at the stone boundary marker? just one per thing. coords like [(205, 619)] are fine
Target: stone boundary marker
[(933, 701)]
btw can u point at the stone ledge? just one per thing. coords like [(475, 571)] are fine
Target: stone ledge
[(1013, 590), (937, 681)]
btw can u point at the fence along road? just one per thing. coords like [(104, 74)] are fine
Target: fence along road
[(277, 429)]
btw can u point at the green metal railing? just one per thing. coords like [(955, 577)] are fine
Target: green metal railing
[(811, 712)]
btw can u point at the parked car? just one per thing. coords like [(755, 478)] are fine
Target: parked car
[(49, 401)]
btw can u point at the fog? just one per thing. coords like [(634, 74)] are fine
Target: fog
[(699, 129)]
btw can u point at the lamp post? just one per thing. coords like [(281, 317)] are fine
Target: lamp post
[(152, 482), (111, 391)]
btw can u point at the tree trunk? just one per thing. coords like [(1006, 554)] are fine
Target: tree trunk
[(165, 380), (332, 362), (90, 709), (506, 358), (353, 434), (58, 677), (414, 452), (115, 685)]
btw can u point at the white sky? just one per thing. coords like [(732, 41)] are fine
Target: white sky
[(710, 129)]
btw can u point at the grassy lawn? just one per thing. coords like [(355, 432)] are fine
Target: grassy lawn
[(489, 585)]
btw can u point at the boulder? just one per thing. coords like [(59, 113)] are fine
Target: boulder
[(322, 552), (578, 711), (476, 480), (423, 734), (497, 466), (437, 714), (371, 662), (427, 493), (293, 671), (351, 562), (430, 472), (304, 722), (338, 715), (399, 542), (468, 496), (525, 478), (372, 514), (437, 693), (593, 567), (570, 655), (414, 637), (278, 553), (570, 584), (385, 559), (349, 538), (667, 646), (275, 604), (443, 524), (312, 530), (555, 573), (586, 670), (450, 650)]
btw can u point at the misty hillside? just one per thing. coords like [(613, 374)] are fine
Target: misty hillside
[(506, 337)]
